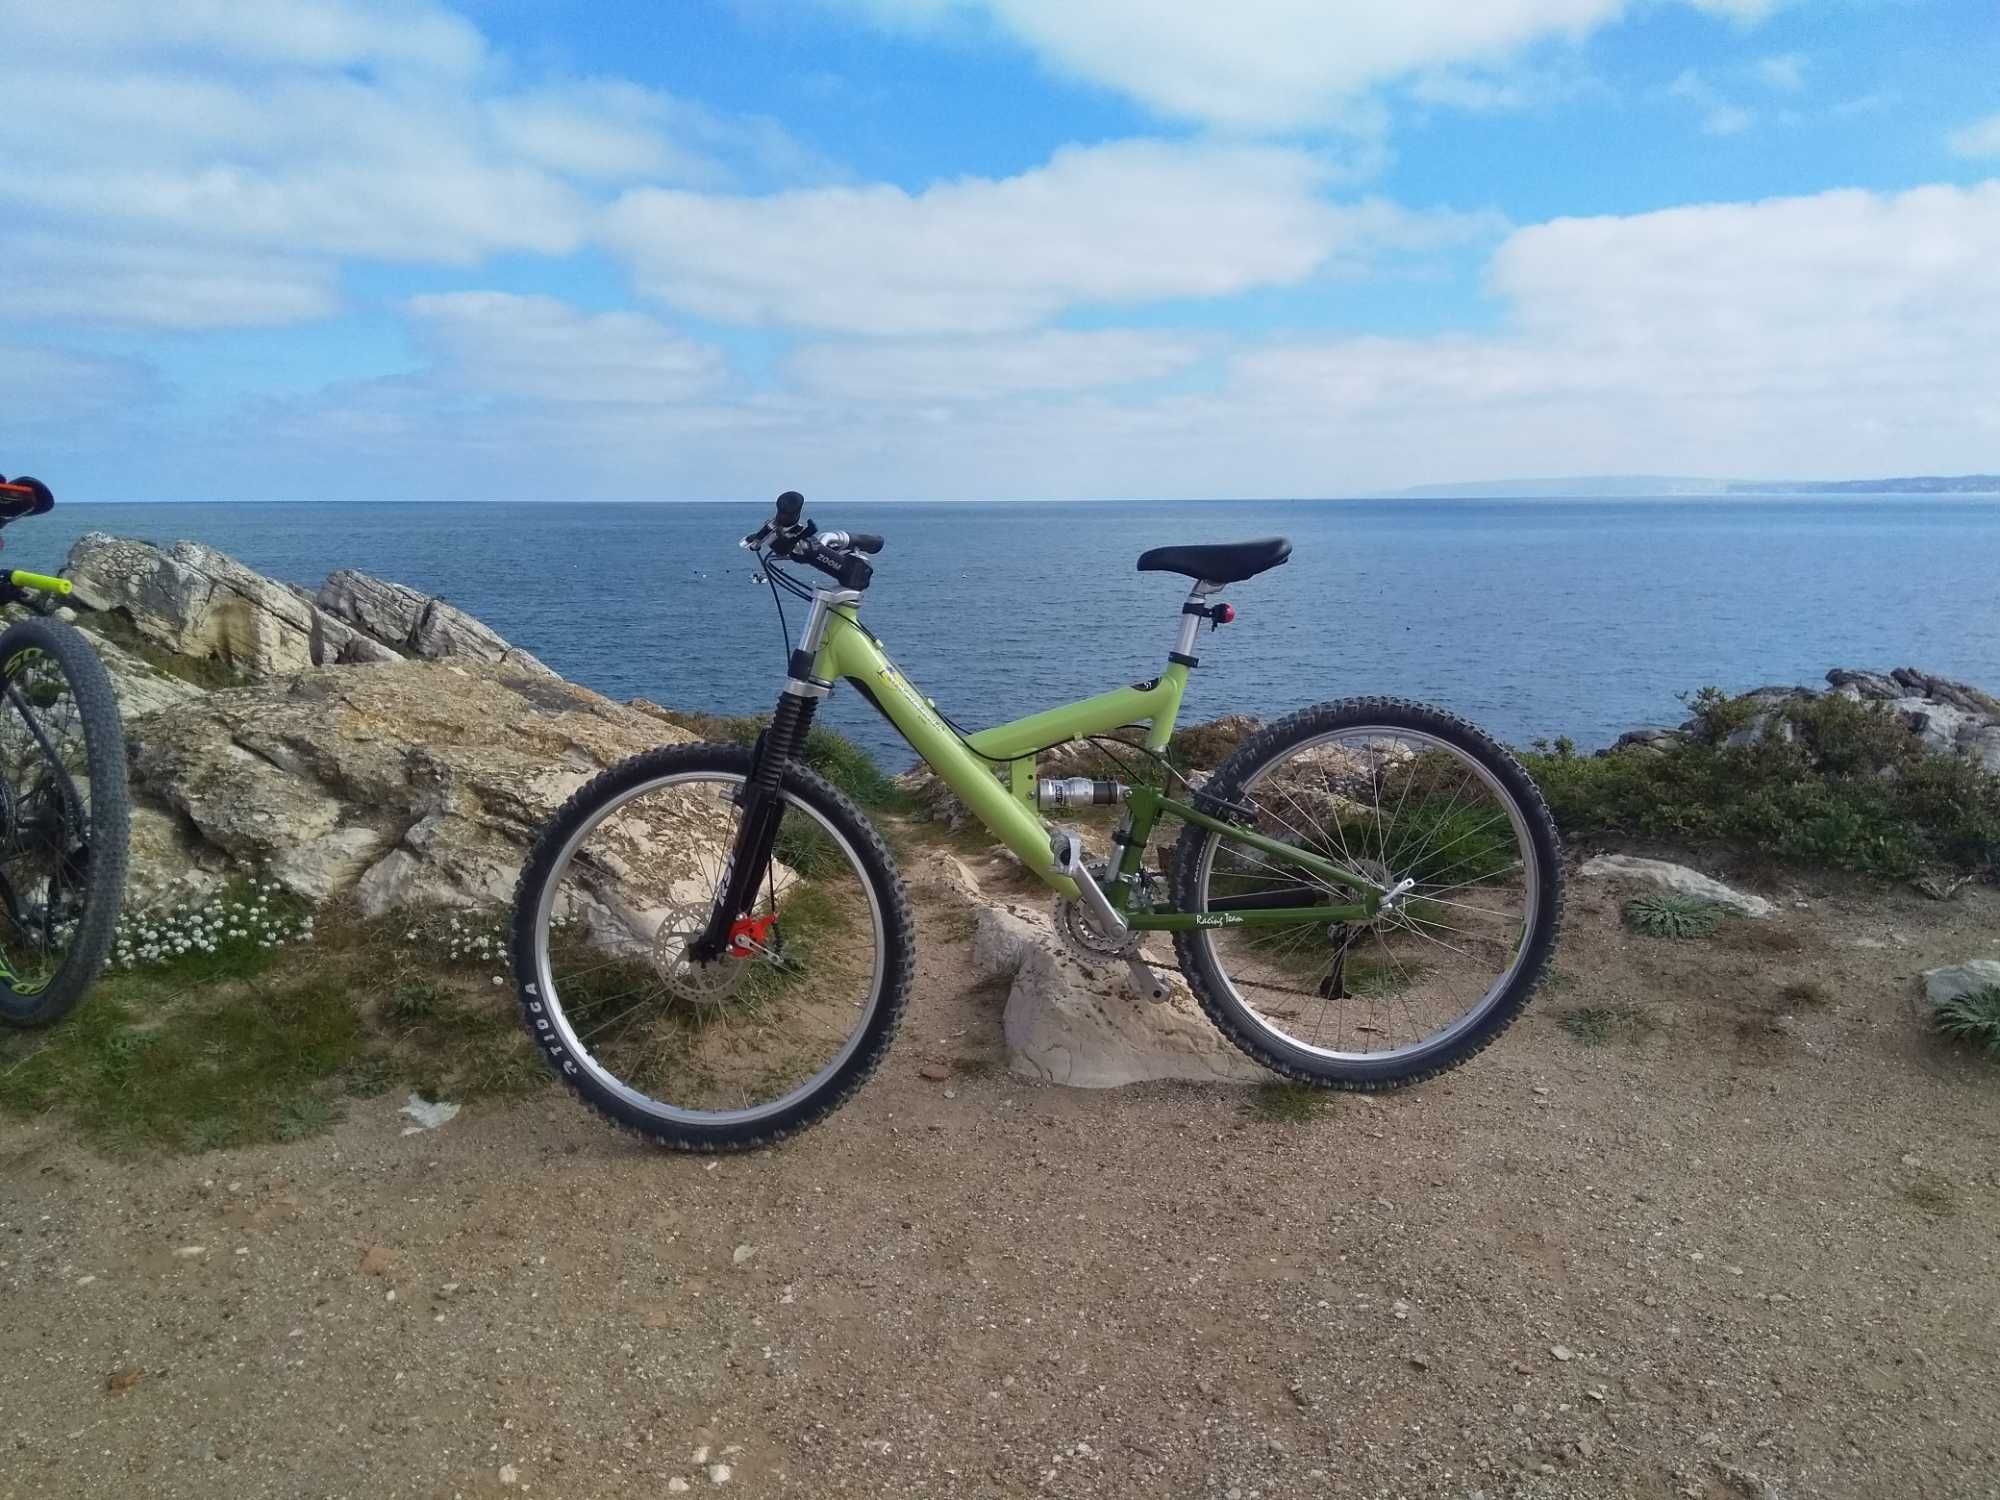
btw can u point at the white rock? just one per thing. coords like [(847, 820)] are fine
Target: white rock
[(719, 1473), (1084, 1027), (428, 1115), (1955, 980), (1674, 877), (677, 1486), (509, 1474)]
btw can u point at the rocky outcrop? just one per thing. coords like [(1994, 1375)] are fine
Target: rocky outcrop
[(412, 784), (1946, 717), (1678, 878), (415, 623), (1080, 1025), (197, 602)]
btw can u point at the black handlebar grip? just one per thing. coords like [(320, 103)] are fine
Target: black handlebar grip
[(790, 505), (864, 541)]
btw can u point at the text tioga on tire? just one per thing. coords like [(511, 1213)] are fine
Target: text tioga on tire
[(709, 1053)]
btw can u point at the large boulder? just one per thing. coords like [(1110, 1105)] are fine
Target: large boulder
[(1679, 878), (411, 784), (198, 602), (415, 623), (1079, 1024)]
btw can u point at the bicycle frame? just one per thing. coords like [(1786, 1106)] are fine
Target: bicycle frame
[(841, 649)]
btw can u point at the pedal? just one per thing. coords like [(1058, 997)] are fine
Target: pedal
[(1151, 987)]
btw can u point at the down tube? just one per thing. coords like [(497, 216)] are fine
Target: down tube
[(849, 651)]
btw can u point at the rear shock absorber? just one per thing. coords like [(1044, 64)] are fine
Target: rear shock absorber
[(1078, 791)]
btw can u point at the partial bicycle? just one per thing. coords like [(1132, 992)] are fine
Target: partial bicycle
[(65, 815), (713, 945)]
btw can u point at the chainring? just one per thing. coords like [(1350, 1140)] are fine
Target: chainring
[(1084, 940)]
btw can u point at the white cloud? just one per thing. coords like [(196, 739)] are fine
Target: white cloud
[(1130, 222), (47, 278), (540, 349), (1844, 333), (1719, 116), (53, 397), (1273, 64), (1980, 138), (1847, 332), (308, 33), (1784, 72), (312, 131), (985, 369)]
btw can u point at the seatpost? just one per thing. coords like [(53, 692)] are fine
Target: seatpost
[(1193, 612)]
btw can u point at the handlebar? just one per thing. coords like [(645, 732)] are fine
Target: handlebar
[(831, 552)]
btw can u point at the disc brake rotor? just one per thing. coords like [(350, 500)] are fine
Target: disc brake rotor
[(704, 984)]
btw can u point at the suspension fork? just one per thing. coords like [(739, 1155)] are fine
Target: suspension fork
[(763, 807)]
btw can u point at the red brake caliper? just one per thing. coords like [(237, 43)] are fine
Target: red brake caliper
[(747, 930)]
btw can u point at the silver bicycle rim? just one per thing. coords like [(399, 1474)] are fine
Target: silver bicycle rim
[(586, 1059), (1530, 916)]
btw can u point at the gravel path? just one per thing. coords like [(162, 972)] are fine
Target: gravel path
[(1748, 1251)]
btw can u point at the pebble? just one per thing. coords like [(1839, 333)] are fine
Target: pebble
[(677, 1486), (935, 1072), (1913, 1161), (743, 1253), (1562, 1352), (700, 1455), (189, 1252), (719, 1473), (1401, 1310), (509, 1474)]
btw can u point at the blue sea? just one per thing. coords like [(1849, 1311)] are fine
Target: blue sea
[(1535, 618)]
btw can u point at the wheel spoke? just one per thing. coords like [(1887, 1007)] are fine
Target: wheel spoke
[(692, 1042), (1422, 808)]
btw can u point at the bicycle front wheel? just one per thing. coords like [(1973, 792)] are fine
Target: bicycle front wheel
[(740, 1049), (65, 820), (1426, 809)]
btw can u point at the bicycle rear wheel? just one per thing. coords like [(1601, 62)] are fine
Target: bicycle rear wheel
[(742, 1048), (1433, 813), (65, 820)]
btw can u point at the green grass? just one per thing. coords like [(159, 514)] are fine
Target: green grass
[(1595, 1025), (1287, 1103), (1972, 1019), (1669, 914), (1851, 788), (252, 1045)]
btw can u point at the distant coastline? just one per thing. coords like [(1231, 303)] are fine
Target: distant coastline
[(1667, 486)]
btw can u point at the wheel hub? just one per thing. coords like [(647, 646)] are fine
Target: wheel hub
[(703, 984)]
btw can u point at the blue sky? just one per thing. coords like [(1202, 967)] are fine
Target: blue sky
[(970, 249)]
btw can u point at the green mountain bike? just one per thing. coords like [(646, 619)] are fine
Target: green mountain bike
[(65, 817), (714, 947)]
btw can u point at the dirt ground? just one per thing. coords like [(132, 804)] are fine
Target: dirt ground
[(1734, 1239)]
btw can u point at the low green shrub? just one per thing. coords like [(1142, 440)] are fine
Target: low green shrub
[(1972, 1019), (1669, 914), (1827, 782)]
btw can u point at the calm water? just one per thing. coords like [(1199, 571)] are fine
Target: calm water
[(1532, 617)]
